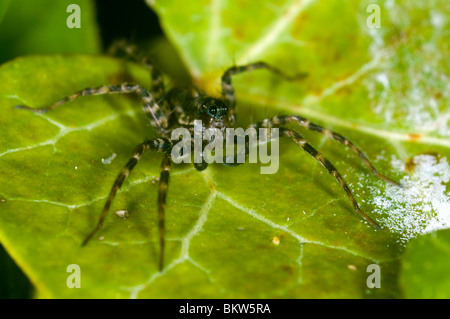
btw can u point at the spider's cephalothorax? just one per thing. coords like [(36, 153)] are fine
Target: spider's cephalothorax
[(213, 112), (180, 107)]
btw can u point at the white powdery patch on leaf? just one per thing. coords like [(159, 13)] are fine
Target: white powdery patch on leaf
[(422, 205), (411, 87)]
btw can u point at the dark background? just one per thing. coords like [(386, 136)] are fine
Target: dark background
[(131, 19)]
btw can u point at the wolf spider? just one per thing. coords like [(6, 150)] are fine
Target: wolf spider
[(179, 107)]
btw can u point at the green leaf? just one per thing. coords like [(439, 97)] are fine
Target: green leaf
[(231, 232), (31, 27), (3, 8), (425, 267)]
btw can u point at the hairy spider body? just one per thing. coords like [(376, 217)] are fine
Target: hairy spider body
[(180, 107)]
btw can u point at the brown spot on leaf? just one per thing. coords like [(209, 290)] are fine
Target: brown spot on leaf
[(288, 269), (414, 137), (212, 186), (238, 34), (410, 165), (437, 94)]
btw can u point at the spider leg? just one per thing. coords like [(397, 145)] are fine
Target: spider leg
[(286, 119), (162, 193), (158, 144), (150, 106), (131, 51), (331, 169), (227, 86)]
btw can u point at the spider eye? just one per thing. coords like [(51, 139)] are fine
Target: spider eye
[(218, 112), (212, 110)]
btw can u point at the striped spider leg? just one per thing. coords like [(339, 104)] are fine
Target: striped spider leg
[(158, 145), (227, 85), (150, 106), (276, 121)]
